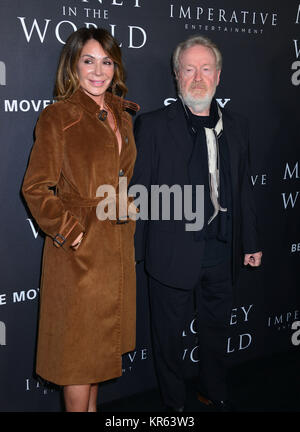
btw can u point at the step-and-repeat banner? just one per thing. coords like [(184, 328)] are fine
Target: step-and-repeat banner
[(260, 42)]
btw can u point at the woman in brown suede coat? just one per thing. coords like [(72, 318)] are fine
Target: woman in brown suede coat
[(83, 141)]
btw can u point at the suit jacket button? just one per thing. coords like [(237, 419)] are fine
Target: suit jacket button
[(121, 173)]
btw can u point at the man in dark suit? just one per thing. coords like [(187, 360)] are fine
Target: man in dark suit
[(190, 143)]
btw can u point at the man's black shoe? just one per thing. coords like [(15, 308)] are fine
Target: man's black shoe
[(223, 406), (172, 409)]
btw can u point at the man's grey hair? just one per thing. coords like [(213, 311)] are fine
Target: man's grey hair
[(192, 41)]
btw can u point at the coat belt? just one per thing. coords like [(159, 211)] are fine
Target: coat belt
[(79, 201)]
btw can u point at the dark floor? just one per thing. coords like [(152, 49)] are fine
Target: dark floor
[(263, 385)]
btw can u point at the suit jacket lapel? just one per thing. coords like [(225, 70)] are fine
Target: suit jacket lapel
[(234, 146), (179, 130)]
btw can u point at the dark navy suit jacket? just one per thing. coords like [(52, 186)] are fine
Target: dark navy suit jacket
[(164, 145)]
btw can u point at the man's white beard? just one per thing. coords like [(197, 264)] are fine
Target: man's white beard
[(198, 105)]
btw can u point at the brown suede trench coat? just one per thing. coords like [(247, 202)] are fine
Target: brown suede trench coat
[(87, 309)]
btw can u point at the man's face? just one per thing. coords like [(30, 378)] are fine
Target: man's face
[(198, 77)]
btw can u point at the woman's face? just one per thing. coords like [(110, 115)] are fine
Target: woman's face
[(95, 71)]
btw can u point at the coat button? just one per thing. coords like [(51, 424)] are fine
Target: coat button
[(121, 173)]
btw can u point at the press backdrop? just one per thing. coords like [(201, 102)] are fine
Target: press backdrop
[(260, 41)]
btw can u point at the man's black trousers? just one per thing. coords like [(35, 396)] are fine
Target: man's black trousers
[(170, 315)]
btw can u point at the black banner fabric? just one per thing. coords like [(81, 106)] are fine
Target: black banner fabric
[(260, 42)]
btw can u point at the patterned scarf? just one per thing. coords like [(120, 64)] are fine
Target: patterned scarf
[(212, 136), (212, 143)]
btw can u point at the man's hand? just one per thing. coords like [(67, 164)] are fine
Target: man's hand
[(254, 260)]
